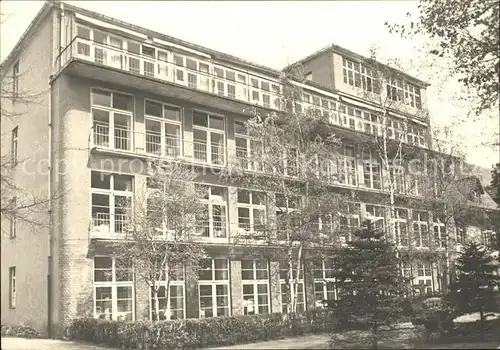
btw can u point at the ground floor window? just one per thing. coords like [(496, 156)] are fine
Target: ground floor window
[(255, 286), (288, 292), (214, 299), (173, 310)]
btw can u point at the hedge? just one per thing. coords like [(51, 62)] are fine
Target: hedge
[(22, 331), (200, 333)]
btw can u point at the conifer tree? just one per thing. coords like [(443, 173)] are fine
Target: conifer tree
[(371, 285)]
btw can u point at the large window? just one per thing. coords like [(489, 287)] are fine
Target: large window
[(400, 91), (324, 281), (113, 289), (251, 211), (401, 227), (395, 90), (12, 287), (291, 290), (112, 116), (357, 75), (248, 150), (424, 276), (255, 284), (376, 214), (213, 221), (348, 166), (111, 202), (421, 229), (163, 129), (371, 170), (349, 221), (208, 138), (440, 236), (412, 96), (170, 307), (14, 145), (213, 287)]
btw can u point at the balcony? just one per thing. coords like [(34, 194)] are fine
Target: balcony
[(106, 225)]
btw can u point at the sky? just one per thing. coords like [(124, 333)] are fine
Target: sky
[(277, 33)]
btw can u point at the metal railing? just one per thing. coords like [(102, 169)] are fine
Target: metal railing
[(106, 224)]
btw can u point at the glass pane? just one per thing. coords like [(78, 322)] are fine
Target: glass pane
[(217, 122), (125, 102), (172, 113), (101, 98), (123, 183), (153, 108), (100, 180), (200, 119)]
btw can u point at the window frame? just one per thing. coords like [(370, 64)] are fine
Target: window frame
[(370, 163), (324, 280), (14, 145), (214, 283), (398, 220), (254, 282), (212, 201), (209, 144), (15, 81), (249, 160), (172, 283), (164, 122), (351, 213), (13, 220), (300, 283), (417, 234), (12, 287), (251, 207)]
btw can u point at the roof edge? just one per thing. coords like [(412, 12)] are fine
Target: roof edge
[(49, 4)]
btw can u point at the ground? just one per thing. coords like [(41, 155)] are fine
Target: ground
[(9, 343)]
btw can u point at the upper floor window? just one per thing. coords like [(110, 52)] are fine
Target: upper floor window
[(349, 220), (248, 150), (15, 80), (352, 73), (376, 214), (14, 145), (13, 224), (372, 174), (111, 201), (412, 96), (208, 138), (251, 210), (401, 227), (213, 221), (112, 115), (348, 166), (163, 129), (400, 91), (440, 235), (421, 229)]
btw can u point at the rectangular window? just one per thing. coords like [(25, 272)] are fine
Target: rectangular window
[(376, 214), (324, 281), (15, 80), (421, 229), (290, 289), (401, 226), (371, 170), (398, 179), (171, 307), (370, 82), (213, 288), (255, 285), (248, 150), (395, 90), (348, 166), (212, 223), (13, 223), (440, 236), (163, 129), (352, 72), (12, 287), (14, 145), (113, 289), (111, 202), (251, 211), (209, 138), (412, 96), (424, 276), (349, 220), (112, 115)]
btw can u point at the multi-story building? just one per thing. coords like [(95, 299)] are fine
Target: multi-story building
[(110, 96)]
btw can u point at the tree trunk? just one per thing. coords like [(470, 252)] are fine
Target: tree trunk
[(374, 335), (157, 304), (481, 314)]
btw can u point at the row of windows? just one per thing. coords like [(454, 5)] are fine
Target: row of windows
[(114, 288), (112, 200), (357, 75)]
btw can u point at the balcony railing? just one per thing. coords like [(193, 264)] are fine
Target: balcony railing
[(106, 224)]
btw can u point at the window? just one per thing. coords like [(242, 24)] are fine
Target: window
[(213, 287), (424, 276), (371, 170), (401, 227), (15, 80), (290, 290), (421, 229), (324, 281), (251, 211), (13, 223), (112, 115), (376, 214), (111, 202), (369, 79), (488, 238), (12, 287), (348, 166), (291, 162), (213, 222), (208, 138), (14, 145), (248, 150), (349, 221), (398, 178), (255, 284), (163, 129), (352, 74), (113, 289), (412, 96), (400, 91), (395, 90), (286, 206), (174, 308), (440, 236)]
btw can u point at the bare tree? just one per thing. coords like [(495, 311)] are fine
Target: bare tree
[(163, 245), (290, 169)]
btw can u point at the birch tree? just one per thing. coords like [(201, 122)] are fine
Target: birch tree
[(163, 245), (292, 165)]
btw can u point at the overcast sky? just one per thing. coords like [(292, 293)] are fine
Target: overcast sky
[(278, 33)]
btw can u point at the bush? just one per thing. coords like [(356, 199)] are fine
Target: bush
[(199, 333), (22, 331)]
